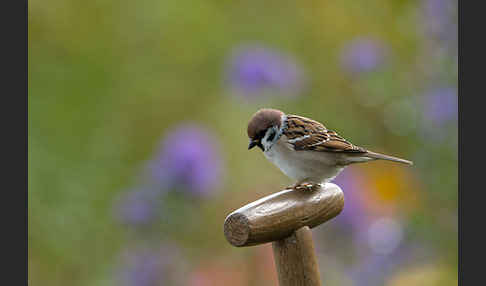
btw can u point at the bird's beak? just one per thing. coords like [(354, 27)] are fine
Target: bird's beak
[(252, 144)]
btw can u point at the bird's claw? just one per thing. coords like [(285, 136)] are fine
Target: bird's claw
[(307, 187)]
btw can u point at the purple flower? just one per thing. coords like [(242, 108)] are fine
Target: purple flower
[(362, 55), (440, 105), (385, 235), (188, 160), (440, 21), (138, 207), (375, 269), (354, 212), (439, 109), (253, 69), (143, 269), (146, 266)]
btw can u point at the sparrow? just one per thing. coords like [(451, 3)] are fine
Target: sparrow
[(304, 149)]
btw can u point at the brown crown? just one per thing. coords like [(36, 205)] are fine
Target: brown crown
[(262, 120)]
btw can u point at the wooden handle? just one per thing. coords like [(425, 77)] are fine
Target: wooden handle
[(277, 216), (295, 260)]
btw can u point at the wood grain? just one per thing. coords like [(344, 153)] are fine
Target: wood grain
[(277, 216), (295, 259)]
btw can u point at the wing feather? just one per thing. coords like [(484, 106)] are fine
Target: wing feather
[(307, 134)]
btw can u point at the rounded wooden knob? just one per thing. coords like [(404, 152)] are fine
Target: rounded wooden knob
[(277, 216)]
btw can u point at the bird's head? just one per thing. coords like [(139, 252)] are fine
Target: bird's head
[(264, 127)]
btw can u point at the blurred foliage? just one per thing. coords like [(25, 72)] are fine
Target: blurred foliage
[(109, 81)]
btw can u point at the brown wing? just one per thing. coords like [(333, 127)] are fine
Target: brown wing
[(307, 134)]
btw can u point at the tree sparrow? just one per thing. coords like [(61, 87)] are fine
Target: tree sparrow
[(304, 149)]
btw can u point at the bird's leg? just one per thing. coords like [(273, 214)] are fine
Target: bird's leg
[(295, 185), (306, 186)]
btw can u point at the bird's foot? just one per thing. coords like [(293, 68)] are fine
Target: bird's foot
[(307, 187)]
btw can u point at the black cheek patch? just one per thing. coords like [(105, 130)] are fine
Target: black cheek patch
[(271, 136), (260, 134), (260, 146)]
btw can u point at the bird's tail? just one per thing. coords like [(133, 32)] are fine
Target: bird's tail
[(374, 155)]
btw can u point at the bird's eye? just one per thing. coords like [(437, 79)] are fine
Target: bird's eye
[(271, 136), (260, 134)]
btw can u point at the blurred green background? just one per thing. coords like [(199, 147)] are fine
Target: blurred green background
[(138, 146)]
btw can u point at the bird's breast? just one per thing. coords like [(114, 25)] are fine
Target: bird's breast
[(299, 165), (284, 158)]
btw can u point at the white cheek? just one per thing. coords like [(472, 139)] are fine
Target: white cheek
[(268, 144)]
